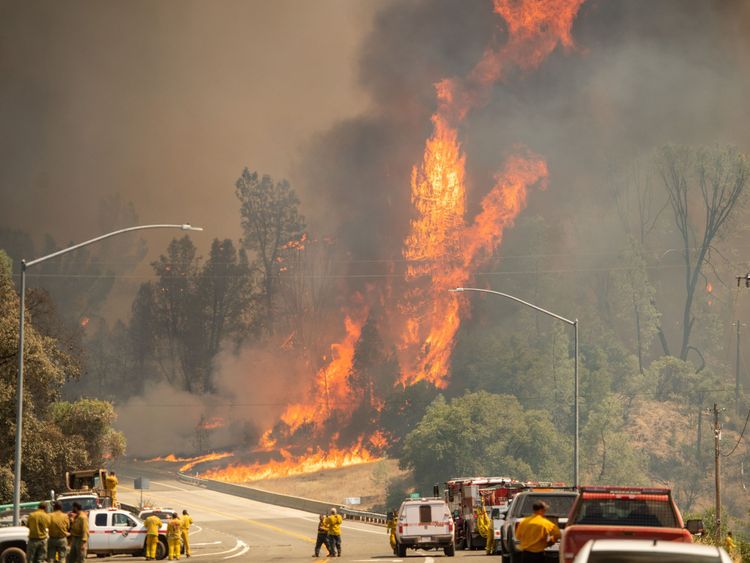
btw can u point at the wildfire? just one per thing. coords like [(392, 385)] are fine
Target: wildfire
[(291, 465), (212, 423), (191, 461), (443, 248), (331, 385)]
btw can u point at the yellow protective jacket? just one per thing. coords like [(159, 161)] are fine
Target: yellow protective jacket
[(187, 521), (59, 524), (534, 533), (80, 526), (483, 523), (173, 528), (38, 524), (729, 544), (334, 524), (112, 482), (152, 524)]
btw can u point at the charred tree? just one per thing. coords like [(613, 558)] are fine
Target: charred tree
[(704, 186)]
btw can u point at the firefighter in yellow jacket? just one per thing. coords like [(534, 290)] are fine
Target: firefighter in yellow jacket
[(390, 524), (186, 521), (334, 532), (111, 483), (174, 531), (153, 524)]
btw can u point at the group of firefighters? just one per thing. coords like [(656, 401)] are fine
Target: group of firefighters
[(178, 533), (57, 537), (329, 534)]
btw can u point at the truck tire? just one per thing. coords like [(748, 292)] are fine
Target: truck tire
[(13, 555), (516, 557), (450, 550), (162, 549), (505, 557), (401, 550)]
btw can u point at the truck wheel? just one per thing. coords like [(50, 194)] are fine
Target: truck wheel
[(516, 557), (450, 550), (162, 549), (505, 557), (460, 543), (13, 555), (401, 550)]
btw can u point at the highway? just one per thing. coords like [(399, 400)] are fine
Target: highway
[(238, 529)]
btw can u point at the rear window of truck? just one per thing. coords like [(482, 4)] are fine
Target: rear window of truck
[(626, 512), (559, 505)]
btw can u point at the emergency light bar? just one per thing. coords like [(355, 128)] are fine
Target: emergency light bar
[(628, 490)]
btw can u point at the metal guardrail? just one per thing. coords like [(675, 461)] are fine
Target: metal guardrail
[(279, 499)]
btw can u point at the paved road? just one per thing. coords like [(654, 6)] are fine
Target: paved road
[(237, 529)]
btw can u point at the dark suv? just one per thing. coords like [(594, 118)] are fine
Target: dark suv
[(560, 503)]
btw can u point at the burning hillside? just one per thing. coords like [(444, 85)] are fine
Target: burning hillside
[(417, 316)]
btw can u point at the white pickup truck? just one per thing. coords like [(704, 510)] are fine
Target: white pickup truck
[(13, 541), (113, 531)]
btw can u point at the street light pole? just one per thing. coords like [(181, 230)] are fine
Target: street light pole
[(574, 324), (22, 309)]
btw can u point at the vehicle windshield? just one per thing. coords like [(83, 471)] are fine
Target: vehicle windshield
[(627, 512), (619, 557), (86, 504), (559, 505)]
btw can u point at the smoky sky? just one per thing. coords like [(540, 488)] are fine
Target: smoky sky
[(163, 103)]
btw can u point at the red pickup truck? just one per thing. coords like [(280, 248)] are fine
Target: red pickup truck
[(624, 513)]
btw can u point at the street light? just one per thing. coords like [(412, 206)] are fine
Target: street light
[(19, 387), (574, 324)]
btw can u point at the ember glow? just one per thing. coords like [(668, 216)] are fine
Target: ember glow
[(443, 250)]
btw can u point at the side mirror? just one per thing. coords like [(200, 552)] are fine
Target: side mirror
[(695, 526)]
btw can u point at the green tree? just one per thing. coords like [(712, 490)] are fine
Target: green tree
[(484, 434), (270, 222), (50, 444)]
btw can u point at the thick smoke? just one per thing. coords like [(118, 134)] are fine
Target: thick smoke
[(643, 73)]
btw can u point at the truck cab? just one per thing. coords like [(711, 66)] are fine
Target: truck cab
[(624, 513)]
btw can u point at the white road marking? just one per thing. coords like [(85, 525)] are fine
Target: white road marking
[(429, 560), (237, 546), (206, 543), (245, 549)]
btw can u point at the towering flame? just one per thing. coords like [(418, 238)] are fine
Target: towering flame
[(443, 248)]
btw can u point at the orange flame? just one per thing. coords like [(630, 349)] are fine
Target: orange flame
[(212, 423), (292, 465), (331, 382), (191, 461)]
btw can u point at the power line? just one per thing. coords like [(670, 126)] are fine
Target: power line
[(741, 435)]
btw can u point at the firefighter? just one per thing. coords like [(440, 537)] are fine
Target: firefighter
[(174, 531), (322, 538), (482, 520), (535, 533), (390, 524), (79, 535), (489, 547), (111, 486), (334, 533), (38, 524), (152, 523), (187, 521), (729, 544), (59, 530)]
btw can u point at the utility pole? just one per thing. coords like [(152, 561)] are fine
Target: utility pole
[(737, 372), (717, 469)]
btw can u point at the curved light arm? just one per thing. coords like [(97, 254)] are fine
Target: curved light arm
[(184, 227), (545, 311)]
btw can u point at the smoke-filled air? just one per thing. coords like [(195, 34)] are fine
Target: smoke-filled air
[(352, 165)]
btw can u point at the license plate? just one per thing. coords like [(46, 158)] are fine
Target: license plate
[(425, 539)]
